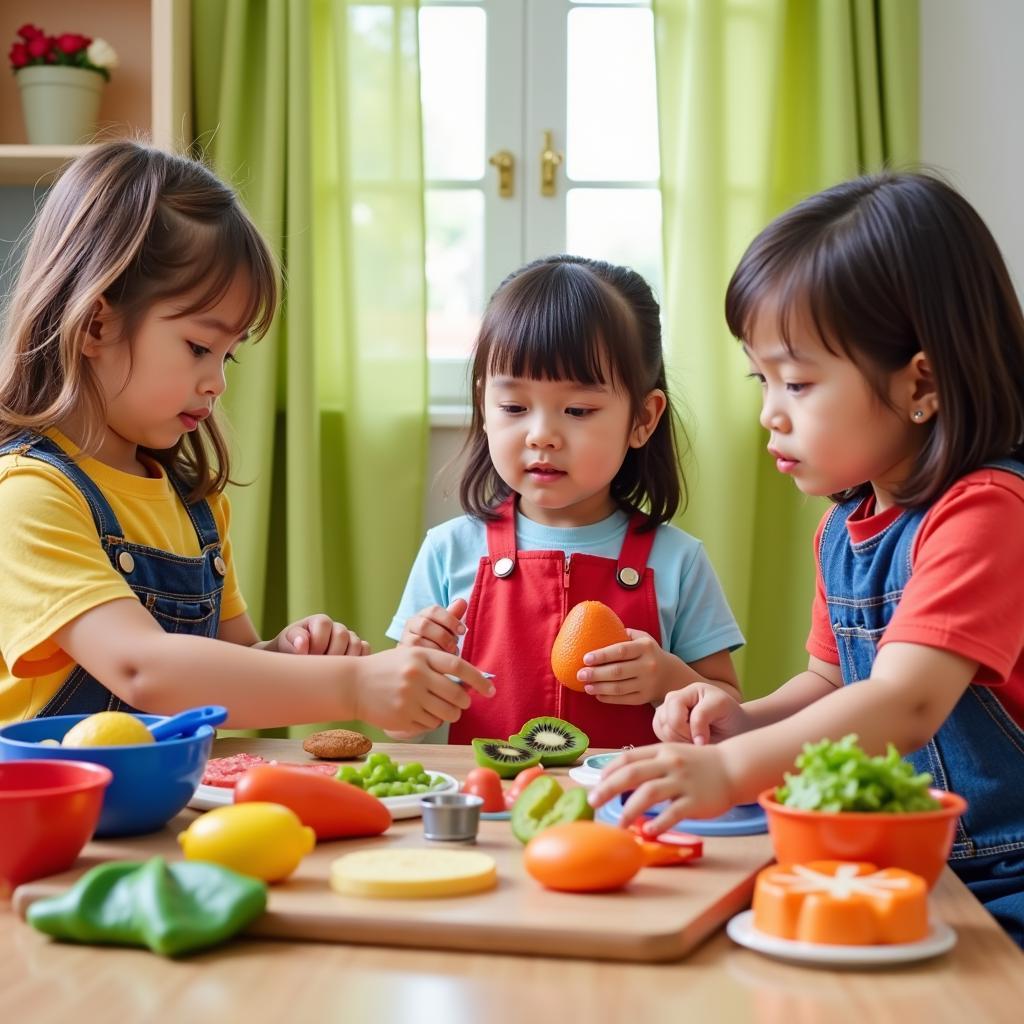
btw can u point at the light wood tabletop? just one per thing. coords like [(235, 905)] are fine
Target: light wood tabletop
[(980, 980)]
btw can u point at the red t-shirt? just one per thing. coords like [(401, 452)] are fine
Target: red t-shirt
[(966, 591)]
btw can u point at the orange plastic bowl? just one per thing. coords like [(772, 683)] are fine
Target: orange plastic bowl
[(917, 841), (48, 812)]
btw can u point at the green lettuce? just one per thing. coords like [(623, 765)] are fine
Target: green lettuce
[(839, 776)]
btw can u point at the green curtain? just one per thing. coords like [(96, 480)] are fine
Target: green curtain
[(761, 103), (311, 110)]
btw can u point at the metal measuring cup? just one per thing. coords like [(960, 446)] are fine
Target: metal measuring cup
[(451, 817)]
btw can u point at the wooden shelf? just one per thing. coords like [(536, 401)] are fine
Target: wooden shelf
[(149, 92)]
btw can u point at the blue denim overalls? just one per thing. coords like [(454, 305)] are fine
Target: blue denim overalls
[(182, 593), (979, 750)]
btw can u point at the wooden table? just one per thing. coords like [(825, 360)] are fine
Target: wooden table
[(980, 981)]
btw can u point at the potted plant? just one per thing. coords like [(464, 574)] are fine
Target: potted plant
[(61, 83)]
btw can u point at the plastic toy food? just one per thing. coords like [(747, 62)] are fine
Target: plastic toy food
[(224, 772), (413, 874), (841, 777), (841, 903), (333, 809), (667, 849), (583, 856), (382, 777), (263, 840), (337, 744), (486, 784), (107, 729), (521, 781), (556, 741), (589, 626), (505, 758), (544, 803), (171, 908)]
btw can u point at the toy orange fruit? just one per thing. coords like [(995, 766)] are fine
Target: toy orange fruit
[(841, 903), (589, 626)]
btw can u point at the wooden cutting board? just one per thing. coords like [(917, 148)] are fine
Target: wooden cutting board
[(661, 915)]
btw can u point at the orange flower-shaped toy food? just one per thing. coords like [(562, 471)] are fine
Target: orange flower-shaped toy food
[(589, 626), (841, 903)]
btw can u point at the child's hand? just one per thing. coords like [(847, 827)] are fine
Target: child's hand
[(406, 690), (694, 780), (435, 627), (699, 713), (637, 671), (318, 634)]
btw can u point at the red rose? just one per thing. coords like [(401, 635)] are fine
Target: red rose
[(71, 42), (18, 55), (38, 46), (29, 32)]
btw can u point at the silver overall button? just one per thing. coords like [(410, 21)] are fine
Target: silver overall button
[(220, 565), (628, 576), (503, 567), (126, 562)]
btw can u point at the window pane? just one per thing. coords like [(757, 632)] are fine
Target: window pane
[(452, 80), (455, 258), (612, 99), (621, 225)]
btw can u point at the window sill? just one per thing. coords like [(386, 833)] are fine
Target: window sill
[(449, 417)]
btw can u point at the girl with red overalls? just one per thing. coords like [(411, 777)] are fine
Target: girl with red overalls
[(885, 331), (571, 479)]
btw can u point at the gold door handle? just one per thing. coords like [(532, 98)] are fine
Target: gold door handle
[(549, 161), (505, 162)]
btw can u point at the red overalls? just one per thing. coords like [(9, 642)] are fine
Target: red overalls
[(519, 601)]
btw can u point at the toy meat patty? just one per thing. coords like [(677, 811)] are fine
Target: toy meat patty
[(336, 744)]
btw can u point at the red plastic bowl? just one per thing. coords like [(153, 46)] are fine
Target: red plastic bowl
[(917, 841), (48, 812)]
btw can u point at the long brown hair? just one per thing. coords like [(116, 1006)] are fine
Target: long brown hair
[(134, 225), (563, 318), (886, 266)]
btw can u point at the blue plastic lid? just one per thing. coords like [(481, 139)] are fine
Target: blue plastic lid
[(741, 820)]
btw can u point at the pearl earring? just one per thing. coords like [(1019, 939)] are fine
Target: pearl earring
[(919, 414)]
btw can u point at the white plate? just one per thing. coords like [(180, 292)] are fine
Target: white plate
[(584, 776), (206, 798), (940, 939)]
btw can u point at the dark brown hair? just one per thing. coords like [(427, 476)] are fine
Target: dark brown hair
[(133, 225), (570, 318), (886, 266)]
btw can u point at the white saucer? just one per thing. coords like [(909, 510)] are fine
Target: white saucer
[(741, 929), (584, 776), (206, 798)]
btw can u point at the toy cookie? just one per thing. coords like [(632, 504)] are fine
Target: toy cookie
[(337, 744)]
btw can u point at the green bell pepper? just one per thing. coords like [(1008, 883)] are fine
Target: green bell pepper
[(171, 908)]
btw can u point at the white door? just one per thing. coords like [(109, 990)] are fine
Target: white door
[(540, 136)]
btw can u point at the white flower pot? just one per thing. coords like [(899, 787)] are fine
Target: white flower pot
[(60, 104)]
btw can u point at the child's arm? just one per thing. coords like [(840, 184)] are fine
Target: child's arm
[(641, 671), (404, 689), (911, 692), (315, 634)]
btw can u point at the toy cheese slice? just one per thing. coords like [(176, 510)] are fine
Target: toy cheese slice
[(413, 874), (841, 903)]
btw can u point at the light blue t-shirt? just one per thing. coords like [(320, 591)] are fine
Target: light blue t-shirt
[(692, 611)]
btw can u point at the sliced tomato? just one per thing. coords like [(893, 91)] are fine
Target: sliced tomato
[(486, 784), (661, 855), (694, 845)]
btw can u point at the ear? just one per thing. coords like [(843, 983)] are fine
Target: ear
[(654, 408), (922, 394), (100, 328)]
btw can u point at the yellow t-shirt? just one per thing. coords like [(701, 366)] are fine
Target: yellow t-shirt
[(54, 567)]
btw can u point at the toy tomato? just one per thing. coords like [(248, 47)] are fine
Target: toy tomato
[(333, 809), (583, 856), (486, 784), (521, 781)]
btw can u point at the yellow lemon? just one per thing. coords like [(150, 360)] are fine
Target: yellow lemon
[(260, 839), (107, 729)]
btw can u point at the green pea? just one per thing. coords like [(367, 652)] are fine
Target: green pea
[(400, 789), (410, 770), (380, 790), (346, 773), (375, 759)]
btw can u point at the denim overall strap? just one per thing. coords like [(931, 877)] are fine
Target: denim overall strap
[(978, 751), (181, 592)]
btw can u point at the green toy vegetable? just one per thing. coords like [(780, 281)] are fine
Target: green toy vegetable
[(171, 908), (841, 777)]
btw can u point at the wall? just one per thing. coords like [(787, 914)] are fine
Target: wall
[(972, 114)]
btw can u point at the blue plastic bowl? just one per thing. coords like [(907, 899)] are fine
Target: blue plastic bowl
[(152, 781)]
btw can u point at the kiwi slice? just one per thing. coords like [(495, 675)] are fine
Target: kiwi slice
[(558, 742), (505, 758), (544, 803)]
